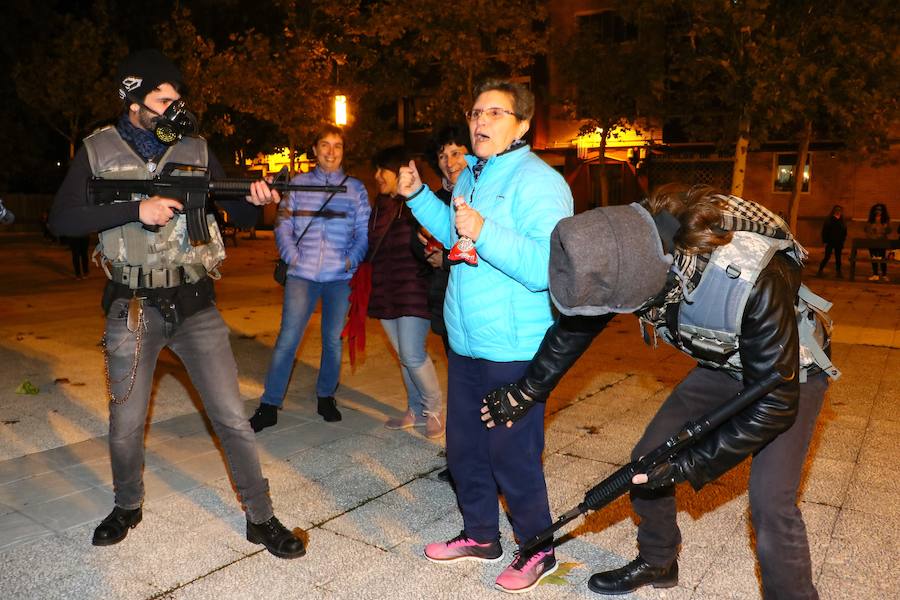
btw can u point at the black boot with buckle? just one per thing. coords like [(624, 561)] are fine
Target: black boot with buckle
[(632, 576), (265, 416), (277, 538), (114, 527)]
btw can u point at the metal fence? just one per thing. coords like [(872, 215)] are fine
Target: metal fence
[(713, 172)]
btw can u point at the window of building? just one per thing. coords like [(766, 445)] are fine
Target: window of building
[(784, 173), (609, 27)]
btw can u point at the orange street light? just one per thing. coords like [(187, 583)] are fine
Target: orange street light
[(340, 110)]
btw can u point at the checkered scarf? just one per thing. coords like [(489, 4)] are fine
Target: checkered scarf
[(737, 215)]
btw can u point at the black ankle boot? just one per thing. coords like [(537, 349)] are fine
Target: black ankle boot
[(328, 409), (114, 527), (632, 576), (265, 416), (276, 538)]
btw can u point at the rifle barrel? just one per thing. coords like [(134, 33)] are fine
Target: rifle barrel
[(105, 190), (242, 186)]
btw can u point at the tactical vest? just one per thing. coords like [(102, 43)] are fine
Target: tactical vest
[(134, 256), (709, 320)]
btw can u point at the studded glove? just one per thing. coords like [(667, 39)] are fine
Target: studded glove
[(663, 475), (507, 403)]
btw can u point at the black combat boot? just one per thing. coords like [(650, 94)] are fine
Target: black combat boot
[(632, 576), (265, 416), (114, 527), (328, 409), (277, 538)]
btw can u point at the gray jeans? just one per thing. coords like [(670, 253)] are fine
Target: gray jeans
[(781, 544), (201, 342)]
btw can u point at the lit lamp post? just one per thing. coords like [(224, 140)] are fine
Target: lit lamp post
[(340, 110)]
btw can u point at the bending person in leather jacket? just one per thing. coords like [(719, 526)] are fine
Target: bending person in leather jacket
[(674, 260)]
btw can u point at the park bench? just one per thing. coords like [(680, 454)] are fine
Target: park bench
[(868, 244)]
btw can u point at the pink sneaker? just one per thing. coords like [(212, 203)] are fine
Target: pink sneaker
[(522, 575), (405, 422), (434, 426), (463, 548)]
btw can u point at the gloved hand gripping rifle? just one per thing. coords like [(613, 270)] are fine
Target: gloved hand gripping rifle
[(192, 190), (620, 482)]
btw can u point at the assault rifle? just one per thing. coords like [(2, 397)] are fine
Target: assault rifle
[(620, 482), (191, 190)]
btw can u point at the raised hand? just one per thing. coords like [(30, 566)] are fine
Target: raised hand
[(409, 181)]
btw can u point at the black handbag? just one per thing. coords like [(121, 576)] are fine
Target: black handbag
[(281, 267), (280, 273)]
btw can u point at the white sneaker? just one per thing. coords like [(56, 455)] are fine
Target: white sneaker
[(874, 278), (885, 278)]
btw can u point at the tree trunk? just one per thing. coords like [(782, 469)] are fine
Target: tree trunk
[(604, 182), (292, 156), (740, 156), (799, 167)]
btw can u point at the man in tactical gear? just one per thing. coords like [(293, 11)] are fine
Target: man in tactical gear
[(717, 277), (160, 291)]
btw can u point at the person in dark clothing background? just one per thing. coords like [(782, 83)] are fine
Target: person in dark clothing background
[(834, 233), (160, 293), (878, 227), (78, 245)]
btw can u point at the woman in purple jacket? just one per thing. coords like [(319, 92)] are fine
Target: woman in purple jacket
[(399, 297)]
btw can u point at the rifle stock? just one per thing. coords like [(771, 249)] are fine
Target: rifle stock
[(191, 190), (620, 482)]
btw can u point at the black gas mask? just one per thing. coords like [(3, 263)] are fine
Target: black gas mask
[(175, 123)]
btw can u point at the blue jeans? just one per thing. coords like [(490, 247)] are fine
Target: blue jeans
[(407, 336), (300, 298)]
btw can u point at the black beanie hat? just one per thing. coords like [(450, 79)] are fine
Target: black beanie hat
[(143, 71)]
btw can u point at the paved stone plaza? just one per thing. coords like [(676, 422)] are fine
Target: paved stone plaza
[(367, 498)]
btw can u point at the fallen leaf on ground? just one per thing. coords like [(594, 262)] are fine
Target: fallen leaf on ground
[(558, 577), (26, 387)]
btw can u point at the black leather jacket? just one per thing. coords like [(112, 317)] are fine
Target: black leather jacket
[(769, 341)]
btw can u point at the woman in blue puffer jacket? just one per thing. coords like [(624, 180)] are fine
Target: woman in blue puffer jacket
[(322, 248), (496, 311)]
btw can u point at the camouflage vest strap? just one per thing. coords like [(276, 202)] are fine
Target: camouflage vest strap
[(136, 277), (709, 326), (815, 327)]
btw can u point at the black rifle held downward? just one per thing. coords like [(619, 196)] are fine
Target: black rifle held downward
[(191, 189), (620, 482)]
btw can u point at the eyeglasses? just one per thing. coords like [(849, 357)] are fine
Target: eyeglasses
[(493, 113)]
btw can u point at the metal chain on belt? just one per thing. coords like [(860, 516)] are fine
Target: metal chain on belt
[(137, 327)]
